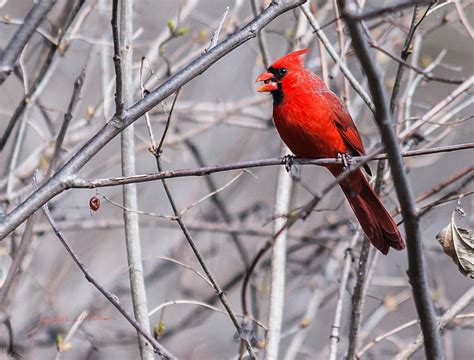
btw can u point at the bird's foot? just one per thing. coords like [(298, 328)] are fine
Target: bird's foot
[(346, 160), (288, 161), (291, 167)]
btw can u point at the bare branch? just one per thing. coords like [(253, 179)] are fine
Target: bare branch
[(444, 320), (416, 272), (123, 54), (215, 36), (96, 183), (388, 9), (278, 268), (344, 277), (67, 118)]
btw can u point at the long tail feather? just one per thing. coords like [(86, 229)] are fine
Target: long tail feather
[(374, 219)]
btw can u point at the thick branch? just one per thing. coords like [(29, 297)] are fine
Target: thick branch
[(416, 271)]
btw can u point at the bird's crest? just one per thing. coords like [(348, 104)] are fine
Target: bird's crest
[(291, 60)]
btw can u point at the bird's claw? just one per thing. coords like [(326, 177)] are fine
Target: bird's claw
[(291, 167), (288, 161), (346, 160)]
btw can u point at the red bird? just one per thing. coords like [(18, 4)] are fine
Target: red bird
[(314, 123)]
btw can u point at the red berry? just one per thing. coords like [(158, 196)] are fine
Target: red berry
[(94, 203)]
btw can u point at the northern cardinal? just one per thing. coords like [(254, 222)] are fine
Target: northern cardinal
[(314, 123)]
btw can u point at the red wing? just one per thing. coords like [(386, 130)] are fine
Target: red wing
[(345, 125)]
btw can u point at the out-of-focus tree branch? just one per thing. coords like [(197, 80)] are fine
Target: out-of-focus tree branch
[(16, 45), (122, 29), (444, 320)]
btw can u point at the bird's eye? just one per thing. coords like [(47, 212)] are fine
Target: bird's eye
[(282, 71)]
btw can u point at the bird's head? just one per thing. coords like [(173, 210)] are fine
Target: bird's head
[(284, 70)]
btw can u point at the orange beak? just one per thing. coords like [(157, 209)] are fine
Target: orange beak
[(269, 85)]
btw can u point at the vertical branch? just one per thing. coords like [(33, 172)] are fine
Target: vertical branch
[(416, 270), (260, 38), (346, 269), (358, 298), (340, 37), (117, 60), (406, 51), (122, 36), (360, 287), (67, 119), (277, 291)]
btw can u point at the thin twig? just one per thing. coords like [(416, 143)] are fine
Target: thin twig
[(199, 303), (219, 204), (220, 293), (442, 185), (396, 330), (68, 117), (464, 19), (358, 299), (183, 265), (444, 320), (388, 9), (77, 323), (105, 182), (425, 74), (165, 354), (342, 42), (215, 36), (211, 194)]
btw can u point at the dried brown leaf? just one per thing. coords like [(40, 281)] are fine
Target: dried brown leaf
[(458, 243)]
